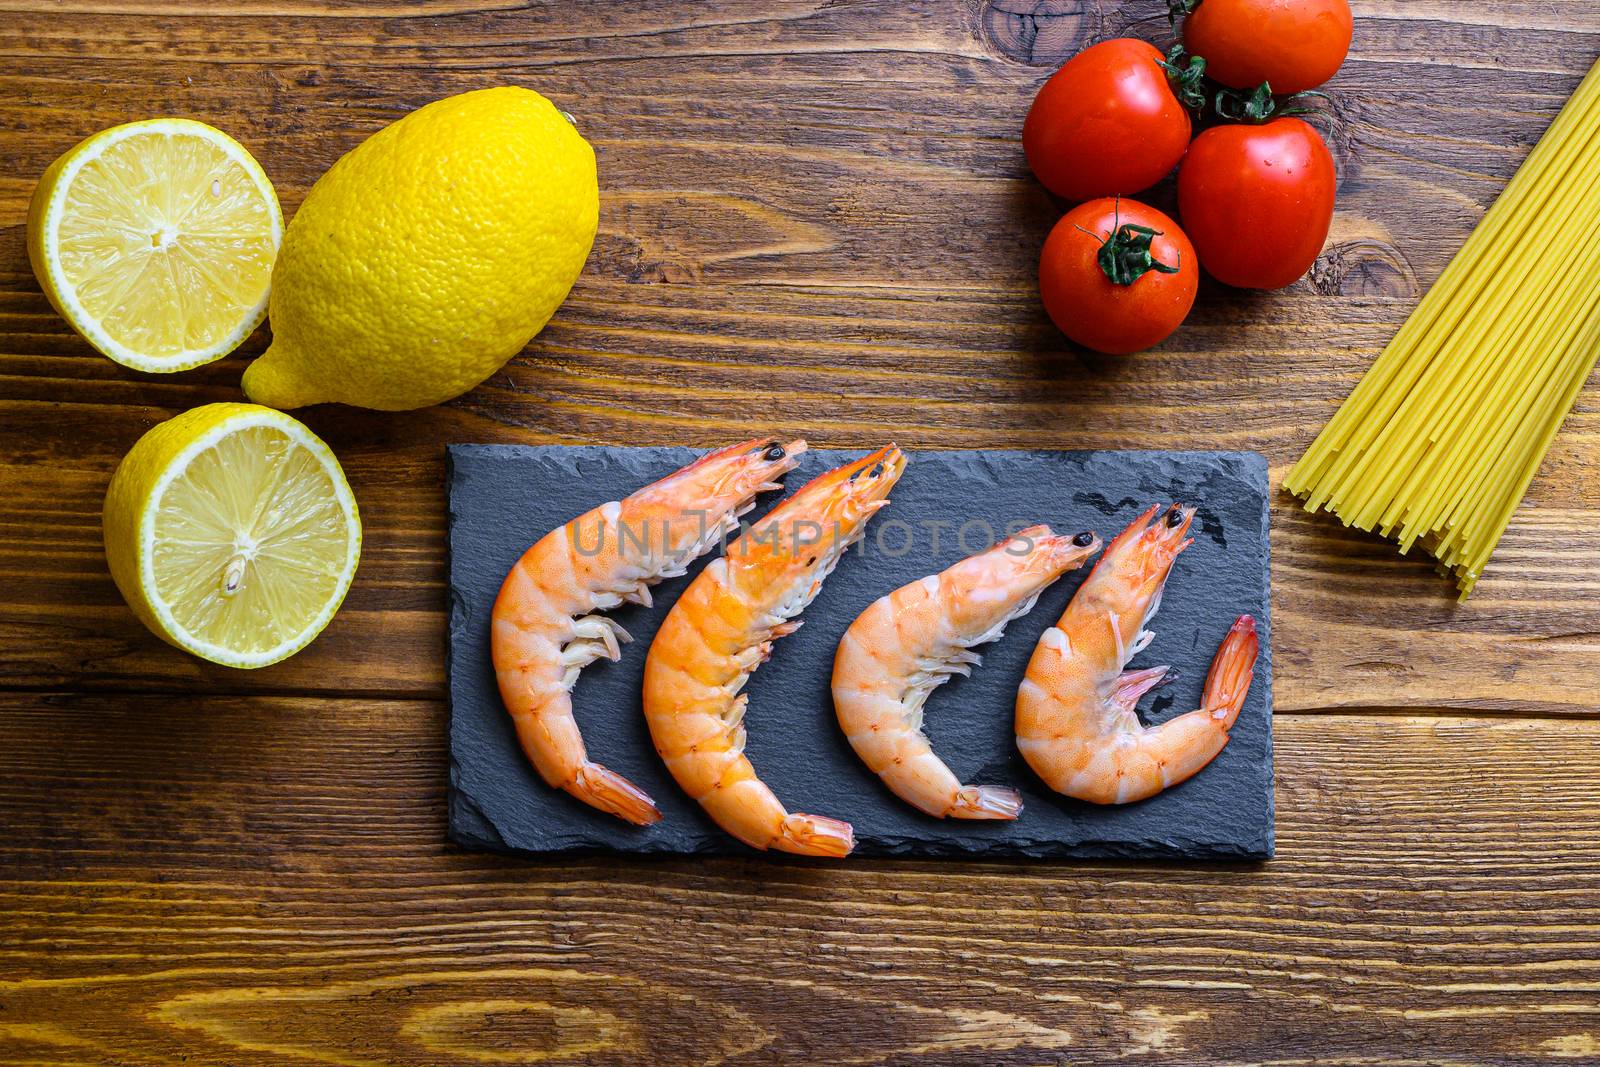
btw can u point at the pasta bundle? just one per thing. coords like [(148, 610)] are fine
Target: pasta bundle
[(1438, 442)]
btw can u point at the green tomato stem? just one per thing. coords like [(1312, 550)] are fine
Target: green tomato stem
[(1125, 256)]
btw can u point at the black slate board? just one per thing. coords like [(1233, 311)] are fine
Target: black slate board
[(502, 498)]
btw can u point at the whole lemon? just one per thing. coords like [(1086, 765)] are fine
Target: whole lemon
[(429, 255)]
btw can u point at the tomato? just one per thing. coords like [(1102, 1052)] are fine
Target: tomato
[(1293, 45), (1107, 122), (1257, 201), (1117, 275)]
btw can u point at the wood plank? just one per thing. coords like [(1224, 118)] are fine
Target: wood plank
[(793, 141), (813, 160), (1356, 625), (244, 879)]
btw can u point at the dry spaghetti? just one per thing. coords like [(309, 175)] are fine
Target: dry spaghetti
[(1439, 440)]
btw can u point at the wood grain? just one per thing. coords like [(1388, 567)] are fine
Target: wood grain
[(816, 220), (201, 877)]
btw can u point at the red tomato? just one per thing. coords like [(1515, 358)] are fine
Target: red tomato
[(1293, 45), (1257, 201), (1106, 123), (1147, 251)]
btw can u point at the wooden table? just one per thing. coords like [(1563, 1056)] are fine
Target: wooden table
[(816, 220)]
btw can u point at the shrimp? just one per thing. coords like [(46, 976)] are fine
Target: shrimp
[(546, 621), (1076, 724), (724, 626), (911, 641)]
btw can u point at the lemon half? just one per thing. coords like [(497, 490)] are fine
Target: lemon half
[(232, 533), (156, 241)]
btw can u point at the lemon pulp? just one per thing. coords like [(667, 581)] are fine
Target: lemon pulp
[(157, 241), (249, 542)]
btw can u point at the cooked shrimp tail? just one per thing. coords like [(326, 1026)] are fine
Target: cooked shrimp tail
[(986, 802), (1232, 669), (911, 641), (816, 835), (723, 627), (547, 621), (611, 792), (1077, 724)]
